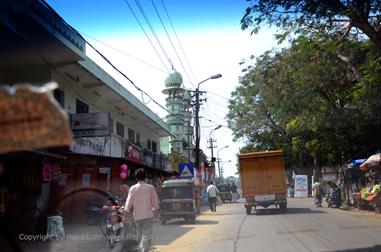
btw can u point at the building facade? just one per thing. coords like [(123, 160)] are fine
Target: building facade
[(110, 126)]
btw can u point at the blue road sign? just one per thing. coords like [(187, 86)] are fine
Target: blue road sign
[(186, 170)]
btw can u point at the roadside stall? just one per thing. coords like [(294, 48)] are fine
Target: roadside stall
[(371, 194)]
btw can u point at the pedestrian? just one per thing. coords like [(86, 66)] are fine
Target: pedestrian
[(234, 193), (317, 192), (144, 201), (212, 191)]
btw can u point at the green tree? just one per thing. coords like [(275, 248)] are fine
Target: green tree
[(311, 100)]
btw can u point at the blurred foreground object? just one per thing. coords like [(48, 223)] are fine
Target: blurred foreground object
[(30, 118)]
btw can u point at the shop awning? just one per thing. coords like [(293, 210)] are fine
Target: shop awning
[(372, 161), (355, 164)]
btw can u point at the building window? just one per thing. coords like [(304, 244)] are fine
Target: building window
[(81, 107), (154, 147), (111, 125), (119, 129), (131, 136), (59, 95), (138, 139), (149, 144)]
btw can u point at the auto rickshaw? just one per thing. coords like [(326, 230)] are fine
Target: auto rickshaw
[(225, 193), (178, 200)]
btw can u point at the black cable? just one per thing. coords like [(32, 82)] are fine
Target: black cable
[(170, 40), (178, 40), (141, 26), (152, 30)]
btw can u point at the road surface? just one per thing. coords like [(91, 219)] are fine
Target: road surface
[(302, 228)]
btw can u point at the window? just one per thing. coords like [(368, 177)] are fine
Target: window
[(59, 95), (131, 136), (138, 139), (149, 144), (81, 107), (154, 146), (119, 129), (111, 125)]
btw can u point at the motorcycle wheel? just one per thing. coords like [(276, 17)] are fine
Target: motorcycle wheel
[(103, 225)]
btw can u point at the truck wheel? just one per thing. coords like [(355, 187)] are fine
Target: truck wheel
[(248, 210)]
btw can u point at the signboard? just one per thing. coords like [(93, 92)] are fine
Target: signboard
[(186, 170), (301, 186), (329, 177), (90, 124), (133, 153), (31, 118)]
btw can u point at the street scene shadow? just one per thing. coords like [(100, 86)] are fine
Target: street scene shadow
[(375, 248), (169, 233), (177, 222), (276, 211)]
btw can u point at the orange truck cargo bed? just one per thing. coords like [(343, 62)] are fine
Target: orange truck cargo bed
[(263, 179)]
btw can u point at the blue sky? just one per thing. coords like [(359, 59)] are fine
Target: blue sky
[(106, 17)]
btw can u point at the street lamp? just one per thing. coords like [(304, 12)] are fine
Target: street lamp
[(222, 166), (211, 141), (218, 160), (197, 123)]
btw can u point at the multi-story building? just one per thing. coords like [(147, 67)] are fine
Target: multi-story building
[(110, 126)]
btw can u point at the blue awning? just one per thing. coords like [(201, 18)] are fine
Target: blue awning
[(355, 164)]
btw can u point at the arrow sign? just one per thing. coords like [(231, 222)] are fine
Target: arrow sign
[(186, 170)]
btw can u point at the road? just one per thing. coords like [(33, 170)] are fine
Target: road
[(302, 228)]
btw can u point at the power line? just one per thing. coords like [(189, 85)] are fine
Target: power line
[(152, 30), (125, 53), (178, 40), (170, 40), (145, 33)]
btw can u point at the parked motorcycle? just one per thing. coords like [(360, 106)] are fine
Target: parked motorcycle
[(333, 198), (116, 226)]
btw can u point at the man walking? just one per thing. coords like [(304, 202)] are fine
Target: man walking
[(233, 189), (317, 193), (143, 198), (212, 196)]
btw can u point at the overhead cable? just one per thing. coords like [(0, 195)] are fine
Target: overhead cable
[(145, 33), (178, 40), (170, 40)]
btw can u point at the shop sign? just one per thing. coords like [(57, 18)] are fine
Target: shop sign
[(329, 177), (133, 153), (91, 124), (301, 186), (31, 118)]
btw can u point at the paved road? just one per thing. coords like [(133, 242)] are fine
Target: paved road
[(303, 228)]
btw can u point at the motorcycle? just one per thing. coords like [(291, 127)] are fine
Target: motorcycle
[(115, 225), (333, 198)]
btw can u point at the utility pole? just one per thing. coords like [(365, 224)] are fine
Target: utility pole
[(198, 102), (211, 147)]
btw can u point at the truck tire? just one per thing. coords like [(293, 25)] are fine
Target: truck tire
[(283, 207), (248, 210)]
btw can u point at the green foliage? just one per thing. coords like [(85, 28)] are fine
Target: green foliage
[(331, 16), (317, 100)]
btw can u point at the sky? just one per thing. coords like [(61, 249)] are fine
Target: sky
[(207, 39)]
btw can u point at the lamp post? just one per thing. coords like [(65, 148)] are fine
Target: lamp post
[(218, 160), (211, 141), (222, 166), (197, 94)]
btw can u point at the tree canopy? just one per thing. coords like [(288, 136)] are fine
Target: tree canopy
[(318, 100), (330, 15)]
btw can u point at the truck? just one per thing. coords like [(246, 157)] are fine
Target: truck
[(263, 179)]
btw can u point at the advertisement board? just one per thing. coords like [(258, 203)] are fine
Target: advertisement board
[(301, 186), (91, 124)]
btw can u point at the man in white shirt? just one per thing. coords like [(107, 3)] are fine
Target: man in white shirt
[(212, 191)]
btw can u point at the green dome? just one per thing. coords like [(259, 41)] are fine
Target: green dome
[(174, 79)]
